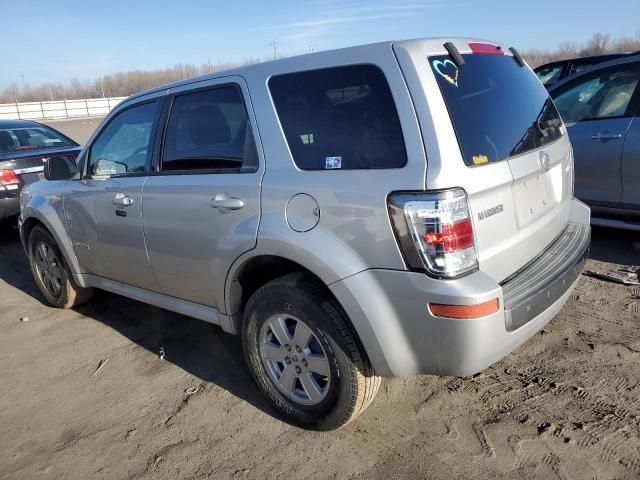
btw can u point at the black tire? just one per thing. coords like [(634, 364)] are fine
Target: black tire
[(68, 294), (352, 384)]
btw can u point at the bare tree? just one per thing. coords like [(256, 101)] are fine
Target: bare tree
[(596, 45)]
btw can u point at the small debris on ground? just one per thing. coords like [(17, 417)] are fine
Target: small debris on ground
[(191, 390), (624, 275), (24, 319), (162, 354), (100, 365)]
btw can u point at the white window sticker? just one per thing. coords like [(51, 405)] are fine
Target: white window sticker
[(333, 162)]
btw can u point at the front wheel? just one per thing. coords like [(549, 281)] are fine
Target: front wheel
[(50, 272), (304, 355)]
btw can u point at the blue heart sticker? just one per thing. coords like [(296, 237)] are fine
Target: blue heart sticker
[(442, 69)]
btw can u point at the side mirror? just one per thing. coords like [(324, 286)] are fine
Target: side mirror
[(60, 168)]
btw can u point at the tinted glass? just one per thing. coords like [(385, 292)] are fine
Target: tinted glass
[(31, 138), (550, 74), (209, 130), (339, 118), (498, 108), (123, 146), (603, 95)]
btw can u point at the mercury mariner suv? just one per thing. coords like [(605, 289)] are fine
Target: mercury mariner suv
[(393, 209)]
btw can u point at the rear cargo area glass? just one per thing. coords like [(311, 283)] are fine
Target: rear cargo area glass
[(498, 108)]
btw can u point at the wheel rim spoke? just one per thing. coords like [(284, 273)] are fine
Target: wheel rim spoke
[(287, 379), (42, 252), (318, 364), (311, 387), (272, 352), (303, 335), (280, 330)]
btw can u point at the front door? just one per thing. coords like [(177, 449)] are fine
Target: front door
[(202, 207), (596, 110), (104, 208)]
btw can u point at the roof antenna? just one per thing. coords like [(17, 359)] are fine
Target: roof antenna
[(454, 53), (517, 56)]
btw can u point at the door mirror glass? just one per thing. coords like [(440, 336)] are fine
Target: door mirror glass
[(60, 168)]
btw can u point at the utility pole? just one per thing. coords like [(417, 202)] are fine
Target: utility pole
[(310, 47), (274, 44), (102, 87), (209, 62)]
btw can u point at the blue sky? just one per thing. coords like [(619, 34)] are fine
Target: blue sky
[(55, 40)]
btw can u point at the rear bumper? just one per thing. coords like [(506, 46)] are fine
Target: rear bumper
[(9, 207), (401, 336)]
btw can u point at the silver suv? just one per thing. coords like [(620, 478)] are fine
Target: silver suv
[(393, 209)]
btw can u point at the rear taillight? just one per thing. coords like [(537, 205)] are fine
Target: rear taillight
[(9, 180), (435, 231)]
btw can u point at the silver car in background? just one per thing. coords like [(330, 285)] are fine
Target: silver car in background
[(393, 209), (600, 107)]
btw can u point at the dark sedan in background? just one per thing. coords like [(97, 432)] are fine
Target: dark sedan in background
[(24, 148), (551, 73)]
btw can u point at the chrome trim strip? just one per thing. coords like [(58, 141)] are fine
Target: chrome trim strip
[(20, 171)]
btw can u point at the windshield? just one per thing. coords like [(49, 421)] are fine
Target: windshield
[(19, 139), (498, 108)]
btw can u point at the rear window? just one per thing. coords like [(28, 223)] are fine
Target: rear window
[(339, 118), (498, 108), (30, 138)]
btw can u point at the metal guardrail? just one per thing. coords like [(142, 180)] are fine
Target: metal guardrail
[(89, 107)]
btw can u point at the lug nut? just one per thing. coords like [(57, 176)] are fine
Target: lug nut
[(304, 362), (298, 349), (287, 347), (298, 370), (287, 360)]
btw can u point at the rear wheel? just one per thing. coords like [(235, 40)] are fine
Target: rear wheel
[(304, 355), (50, 272)]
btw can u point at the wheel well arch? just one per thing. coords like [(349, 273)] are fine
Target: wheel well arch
[(61, 238), (258, 271), (28, 225)]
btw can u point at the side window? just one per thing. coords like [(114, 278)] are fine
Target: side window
[(604, 95), (550, 74), (123, 146), (339, 118), (209, 130)]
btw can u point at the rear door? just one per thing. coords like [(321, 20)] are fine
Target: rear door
[(490, 127), (596, 110), (202, 205)]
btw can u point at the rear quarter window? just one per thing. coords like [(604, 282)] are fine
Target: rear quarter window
[(339, 118)]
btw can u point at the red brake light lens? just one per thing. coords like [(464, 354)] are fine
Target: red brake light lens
[(485, 49), (452, 237), (8, 177)]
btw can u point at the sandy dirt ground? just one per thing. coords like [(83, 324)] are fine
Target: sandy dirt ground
[(564, 405)]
